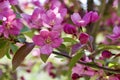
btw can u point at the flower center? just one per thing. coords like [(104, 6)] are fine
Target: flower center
[(52, 23), (48, 40), (7, 25)]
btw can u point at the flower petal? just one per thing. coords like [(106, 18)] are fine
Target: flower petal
[(75, 18), (57, 42), (46, 49), (38, 40), (116, 30)]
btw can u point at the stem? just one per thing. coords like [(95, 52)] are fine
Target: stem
[(18, 8), (90, 7), (97, 24), (89, 64)]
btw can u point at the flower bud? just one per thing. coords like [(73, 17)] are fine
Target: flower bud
[(106, 54), (84, 37), (94, 17), (69, 29), (75, 76)]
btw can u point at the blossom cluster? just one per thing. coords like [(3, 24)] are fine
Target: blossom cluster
[(52, 27), (10, 24)]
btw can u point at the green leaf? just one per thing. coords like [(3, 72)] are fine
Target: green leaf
[(74, 61), (102, 47), (63, 48), (24, 29), (29, 33), (8, 55), (14, 48), (44, 57), (21, 38), (68, 39), (21, 54), (18, 15), (94, 77), (4, 47)]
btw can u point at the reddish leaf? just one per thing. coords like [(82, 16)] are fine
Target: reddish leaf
[(21, 54)]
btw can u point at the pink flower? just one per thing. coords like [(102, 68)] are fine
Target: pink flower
[(88, 17), (12, 2), (49, 68), (84, 38), (113, 78), (116, 33), (36, 3), (47, 40), (91, 17), (113, 20), (52, 18), (76, 18), (10, 26), (81, 70), (35, 52), (34, 20), (4, 9)]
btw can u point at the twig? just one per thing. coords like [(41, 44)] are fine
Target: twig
[(89, 64), (18, 9)]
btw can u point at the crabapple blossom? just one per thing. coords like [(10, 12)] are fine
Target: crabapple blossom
[(53, 17), (4, 9), (34, 20), (90, 17), (113, 78), (47, 40), (76, 18), (11, 26), (87, 18), (12, 2), (52, 21), (116, 33), (81, 70)]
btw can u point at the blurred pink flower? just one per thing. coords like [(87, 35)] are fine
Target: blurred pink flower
[(47, 40), (12, 2), (49, 68), (116, 33), (53, 17), (87, 18), (11, 26), (91, 17), (4, 9), (76, 18), (36, 52), (113, 20), (113, 78), (34, 20), (82, 70)]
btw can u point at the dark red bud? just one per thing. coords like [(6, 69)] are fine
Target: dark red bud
[(75, 76), (69, 29), (106, 54), (84, 37)]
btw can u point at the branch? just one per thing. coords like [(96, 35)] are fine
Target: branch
[(89, 64), (18, 9)]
